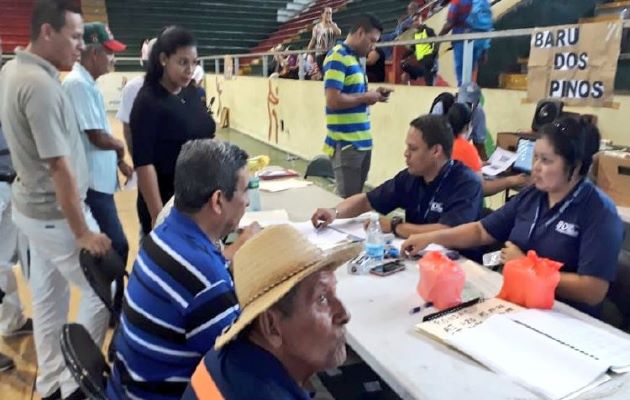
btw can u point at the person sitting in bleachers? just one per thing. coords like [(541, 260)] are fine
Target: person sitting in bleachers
[(563, 216), (435, 191), (420, 62), (404, 23)]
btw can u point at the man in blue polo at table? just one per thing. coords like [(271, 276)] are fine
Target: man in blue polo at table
[(349, 140), (435, 191), (102, 149)]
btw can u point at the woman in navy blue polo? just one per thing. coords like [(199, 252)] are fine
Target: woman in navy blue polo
[(562, 216)]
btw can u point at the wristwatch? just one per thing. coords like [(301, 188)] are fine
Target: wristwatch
[(394, 224)]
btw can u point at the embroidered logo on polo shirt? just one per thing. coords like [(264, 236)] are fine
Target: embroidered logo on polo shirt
[(437, 207), (567, 228)]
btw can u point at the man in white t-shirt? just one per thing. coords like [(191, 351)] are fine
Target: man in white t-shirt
[(129, 93)]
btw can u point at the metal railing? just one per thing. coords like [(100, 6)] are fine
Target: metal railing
[(467, 38)]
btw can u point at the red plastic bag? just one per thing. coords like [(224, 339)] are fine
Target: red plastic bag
[(441, 280), (531, 281)]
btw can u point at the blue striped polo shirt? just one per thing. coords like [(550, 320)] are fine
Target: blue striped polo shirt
[(351, 126), (179, 298)]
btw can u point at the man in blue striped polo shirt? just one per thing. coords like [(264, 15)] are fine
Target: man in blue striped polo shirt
[(180, 294), (349, 140)]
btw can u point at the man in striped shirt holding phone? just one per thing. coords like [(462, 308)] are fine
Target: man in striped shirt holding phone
[(349, 140)]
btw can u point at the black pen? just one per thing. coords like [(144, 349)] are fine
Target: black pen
[(451, 310)]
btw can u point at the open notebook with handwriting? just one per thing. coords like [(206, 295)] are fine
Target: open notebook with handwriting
[(552, 354)]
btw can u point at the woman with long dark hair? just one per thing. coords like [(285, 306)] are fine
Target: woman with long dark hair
[(562, 216), (166, 114)]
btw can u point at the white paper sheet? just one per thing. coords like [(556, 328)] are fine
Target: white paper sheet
[(535, 361), (278, 185), (351, 226), (611, 349), (324, 238), (265, 218), (499, 162)]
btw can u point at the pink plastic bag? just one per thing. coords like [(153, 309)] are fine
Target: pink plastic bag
[(441, 280), (530, 281)]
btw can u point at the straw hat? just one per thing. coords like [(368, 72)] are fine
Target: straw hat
[(270, 264)]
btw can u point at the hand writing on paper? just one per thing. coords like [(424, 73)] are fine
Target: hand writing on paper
[(511, 252), (322, 217)]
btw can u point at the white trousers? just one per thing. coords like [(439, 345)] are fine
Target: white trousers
[(55, 265), (11, 316)]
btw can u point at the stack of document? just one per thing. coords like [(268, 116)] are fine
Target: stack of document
[(275, 172), (499, 162)]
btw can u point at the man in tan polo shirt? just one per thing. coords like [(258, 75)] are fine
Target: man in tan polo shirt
[(52, 180)]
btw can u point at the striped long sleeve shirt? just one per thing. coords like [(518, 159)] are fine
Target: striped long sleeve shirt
[(179, 298)]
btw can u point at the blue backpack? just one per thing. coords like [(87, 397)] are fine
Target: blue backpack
[(480, 17)]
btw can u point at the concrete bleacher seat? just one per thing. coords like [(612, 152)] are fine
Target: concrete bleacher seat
[(388, 12), (611, 8), (15, 23), (220, 26), (302, 22)]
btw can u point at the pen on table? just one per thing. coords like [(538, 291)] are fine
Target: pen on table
[(453, 309), (416, 310), (352, 237)]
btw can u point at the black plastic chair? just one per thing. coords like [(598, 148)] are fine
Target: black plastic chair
[(320, 166), (101, 272), (85, 361)]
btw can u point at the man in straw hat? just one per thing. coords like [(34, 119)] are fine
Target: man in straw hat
[(180, 294), (292, 324)]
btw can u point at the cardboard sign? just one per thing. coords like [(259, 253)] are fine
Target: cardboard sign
[(574, 63), (613, 176)]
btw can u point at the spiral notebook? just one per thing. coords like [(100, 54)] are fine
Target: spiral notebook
[(466, 318), (552, 354)]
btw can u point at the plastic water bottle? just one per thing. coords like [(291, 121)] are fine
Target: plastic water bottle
[(374, 243), (254, 194)]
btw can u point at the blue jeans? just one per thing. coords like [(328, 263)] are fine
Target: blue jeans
[(458, 53), (104, 211)]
